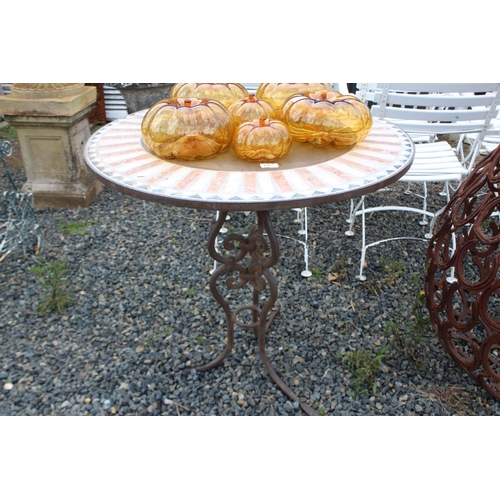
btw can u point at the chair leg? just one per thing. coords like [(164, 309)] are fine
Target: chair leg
[(451, 278), (361, 276), (298, 215), (301, 218), (303, 222), (303, 231), (352, 215), (424, 222), (446, 190), (351, 212), (217, 241), (217, 249)]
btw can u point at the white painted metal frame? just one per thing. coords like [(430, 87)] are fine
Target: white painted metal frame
[(429, 109), (492, 138)]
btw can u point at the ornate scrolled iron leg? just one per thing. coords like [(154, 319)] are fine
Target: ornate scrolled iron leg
[(222, 269), (264, 219), (257, 273)]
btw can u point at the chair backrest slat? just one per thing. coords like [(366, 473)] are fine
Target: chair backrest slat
[(433, 100), (433, 115), (437, 87), (439, 128)]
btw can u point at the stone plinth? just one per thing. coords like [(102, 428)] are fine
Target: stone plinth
[(52, 126)]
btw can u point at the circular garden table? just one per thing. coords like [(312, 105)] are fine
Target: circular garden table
[(307, 176)]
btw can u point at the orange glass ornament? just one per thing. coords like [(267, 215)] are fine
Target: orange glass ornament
[(225, 93), (261, 140), (276, 93), (250, 108), (326, 118), (187, 129)]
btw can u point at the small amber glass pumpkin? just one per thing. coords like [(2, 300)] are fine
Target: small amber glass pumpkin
[(276, 93), (187, 129), (250, 108), (326, 118), (225, 93), (261, 140)]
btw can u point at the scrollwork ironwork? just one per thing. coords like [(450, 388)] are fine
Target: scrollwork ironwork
[(5, 148), (463, 286), (17, 214), (251, 257)]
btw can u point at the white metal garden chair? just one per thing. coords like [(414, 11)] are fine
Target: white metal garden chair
[(431, 110)]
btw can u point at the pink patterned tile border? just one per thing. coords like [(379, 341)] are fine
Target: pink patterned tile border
[(115, 153)]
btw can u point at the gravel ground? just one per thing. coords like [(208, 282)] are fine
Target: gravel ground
[(141, 312)]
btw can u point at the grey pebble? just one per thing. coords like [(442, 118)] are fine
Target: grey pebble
[(142, 313)]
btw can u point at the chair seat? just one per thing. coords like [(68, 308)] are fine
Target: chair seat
[(490, 141), (490, 145), (435, 160), (422, 137)]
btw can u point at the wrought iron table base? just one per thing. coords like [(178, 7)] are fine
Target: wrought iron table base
[(257, 273)]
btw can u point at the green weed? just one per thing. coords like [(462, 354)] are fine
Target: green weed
[(151, 341), (422, 320), (8, 133), (393, 269), (78, 227), (53, 282), (318, 274), (408, 339), (365, 366)]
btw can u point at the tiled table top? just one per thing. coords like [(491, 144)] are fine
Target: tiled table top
[(309, 175)]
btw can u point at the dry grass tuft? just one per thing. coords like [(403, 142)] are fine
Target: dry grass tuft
[(453, 399)]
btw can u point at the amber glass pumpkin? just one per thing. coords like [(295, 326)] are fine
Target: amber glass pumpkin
[(225, 93), (276, 93), (261, 140), (250, 108), (326, 118), (187, 129)]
